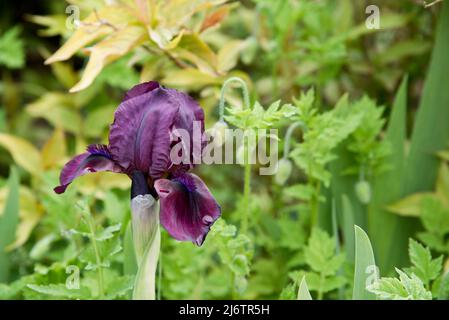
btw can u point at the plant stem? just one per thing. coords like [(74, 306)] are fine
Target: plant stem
[(159, 280), (314, 204), (246, 189), (320, 291), (100, 278)]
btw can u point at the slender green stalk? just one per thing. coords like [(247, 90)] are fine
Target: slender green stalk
[(100, 276), (246, 189), (223, 91), (247, 165)]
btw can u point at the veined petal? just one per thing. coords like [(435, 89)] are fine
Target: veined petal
[(141, 89), (188, 209), (140, 137), (97, 158)]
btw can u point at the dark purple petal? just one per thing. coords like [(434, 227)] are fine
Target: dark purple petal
[(140, 137), (188, 209), (141, 89), (97, 158)]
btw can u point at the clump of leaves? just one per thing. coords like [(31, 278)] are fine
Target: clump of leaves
[(324, 265), (432, 208), (99, 279), (12, 54), (235, 251), (414, 283)]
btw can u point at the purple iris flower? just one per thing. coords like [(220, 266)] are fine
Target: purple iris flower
[(140, 140)]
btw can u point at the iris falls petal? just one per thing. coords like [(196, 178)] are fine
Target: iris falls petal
[(97, 158), (188, 209)]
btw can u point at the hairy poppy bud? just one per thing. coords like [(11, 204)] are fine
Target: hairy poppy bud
[(363, 191), (284, 171)]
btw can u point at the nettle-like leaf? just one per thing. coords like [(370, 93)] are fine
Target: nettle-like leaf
[(305, 107), (320, 254), (435, 218), (323, 133), (364, 142), (12, 53), (424, 267), (235, 251), (405, 288), (258, 117)]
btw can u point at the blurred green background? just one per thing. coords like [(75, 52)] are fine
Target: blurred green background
[(376, 158)]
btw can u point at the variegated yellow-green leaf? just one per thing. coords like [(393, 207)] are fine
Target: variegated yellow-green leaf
[(229, 54), (98, 24), (97, 184), (193, 49), (116, 45), (23, 153), (58, 109), (409, 206), (166, 39), (54, 150), (30, 213), (190, 79)]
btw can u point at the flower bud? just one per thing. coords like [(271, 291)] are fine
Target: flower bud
[(363, 191), (284, 171), (146, 237), (145, 220)]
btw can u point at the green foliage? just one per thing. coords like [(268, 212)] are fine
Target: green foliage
[(320, 256), (414, 282), (364, 265), (12, 52), (355, 163), (404, 288), (258, 117), (423, 266), (8, 224)]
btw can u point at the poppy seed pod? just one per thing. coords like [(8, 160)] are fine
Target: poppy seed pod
[(284, 171), (363, 191)]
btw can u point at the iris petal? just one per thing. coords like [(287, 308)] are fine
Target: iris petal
[(188, 209), (141, 89), (140, 137), (96, 159)]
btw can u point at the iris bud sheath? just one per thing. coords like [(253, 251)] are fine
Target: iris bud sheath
[(146, 237)]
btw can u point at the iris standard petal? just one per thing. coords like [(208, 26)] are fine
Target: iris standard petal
[(188, 209), (141, 89), (140, 137), (97, 158)]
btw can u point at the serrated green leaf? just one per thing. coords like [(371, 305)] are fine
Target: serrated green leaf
[(424, 266)]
